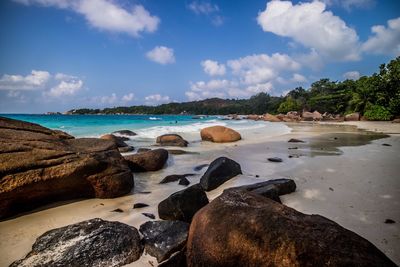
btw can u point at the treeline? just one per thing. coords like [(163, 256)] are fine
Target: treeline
[(376, 97)]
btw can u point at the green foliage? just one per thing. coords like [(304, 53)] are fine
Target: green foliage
[(377, 97), (377, 113)]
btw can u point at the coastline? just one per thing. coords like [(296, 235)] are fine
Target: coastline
[(363, 179)]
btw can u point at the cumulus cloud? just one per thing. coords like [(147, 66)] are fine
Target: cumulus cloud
[(128, 97), (162, 55), (65, 88), (213, 68), (312, 26), (156, 99), (351, 75), (207, 9), (385, 40), (106, 15), (298, 78), (35, 80), (350, 4)]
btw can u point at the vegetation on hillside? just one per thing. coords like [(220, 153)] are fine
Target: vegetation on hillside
[(377, 97)]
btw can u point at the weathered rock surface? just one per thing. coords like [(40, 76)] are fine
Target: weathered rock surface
[(271, 118), (219, 134), (143, 149), (262, 232), (182, 205), (126, 149), (89, 243), (220, 170), (39, 166), (178, 259), (119, 141), (152, 160), (163, 238), (171, 140), (175, 177), (271, 189), (352, 117), (311, 116), (125, 132)]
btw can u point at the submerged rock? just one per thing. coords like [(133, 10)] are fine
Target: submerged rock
[(219, 134), (175, 177), (220, 170), (163, 238), (40, 166), (182, 205), (152, 160), (125, 132), (171, 140), (89, 243), (262, 232)]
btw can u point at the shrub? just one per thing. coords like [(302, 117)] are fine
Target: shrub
[(377, 113)]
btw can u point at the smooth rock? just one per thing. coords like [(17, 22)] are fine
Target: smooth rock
[(182, 205), (219, 134), (152, 160), (175, 177), (126, 149), (220, 170), (184, 181), (294, 140), (171, 140), (119, 141), (271, 118), (139, 205), (125, 132), (275, 159), (200, 167), (40, 166), (163, 238), (180, 152), (261, 232), (89, 243)]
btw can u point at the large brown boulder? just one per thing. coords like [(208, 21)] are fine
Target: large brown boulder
[(271, 118), (119, 141), (352, 117), (311, 116), (152, 160), (244, 229), (219, 134), (171, 140), (39, 166)]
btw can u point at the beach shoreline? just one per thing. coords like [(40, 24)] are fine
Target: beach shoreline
[(353, 184)]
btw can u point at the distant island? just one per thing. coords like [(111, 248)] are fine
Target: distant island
[(375, 97)]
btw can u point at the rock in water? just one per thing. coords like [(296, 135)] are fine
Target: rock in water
[(89, 243), (163, 238), (125, 132), (262, 232), (119, 141), (39, 166), (219, 134), (152, 160), (171, 140), (182, 205), (175, 177), (220, 170)]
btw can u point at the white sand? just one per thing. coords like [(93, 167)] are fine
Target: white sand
[(364, 179)]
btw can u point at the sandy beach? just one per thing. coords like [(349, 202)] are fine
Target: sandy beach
[(341, 172)]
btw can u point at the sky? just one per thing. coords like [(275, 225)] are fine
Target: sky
[(57, 55)]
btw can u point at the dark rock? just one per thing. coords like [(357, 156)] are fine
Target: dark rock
[(184, 181), (152, 160), (40, 166), (386, 144), (389, 221), (125, 132), (182, 205), (330, 188), (143, 149), (396, 121), (139, 205), (176, 260), (180, 152), (89, 243), (117, 210), (200, 167), (163, 238), (144, 192), (119, 141), (275, 159), (171, 140), (271, 189), (126, 149), (261, 232), (294, 140), (149, 215), (293, 147), (220, 170), (175, 177)]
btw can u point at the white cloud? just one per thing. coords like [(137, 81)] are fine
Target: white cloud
[(203, 8), (36, 80), (351, 75), (112, 99), (349, 4), (298, 78), (65, 88), (106, 15), (385, 40), (129, 97), (156, 99), (162, 55), (213, 68), (312, 26)]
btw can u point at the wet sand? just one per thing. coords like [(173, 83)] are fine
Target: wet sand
[(342, 173)]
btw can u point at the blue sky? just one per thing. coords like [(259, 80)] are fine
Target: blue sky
[(56, 55)]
